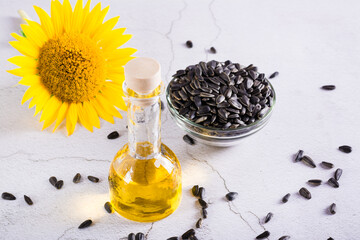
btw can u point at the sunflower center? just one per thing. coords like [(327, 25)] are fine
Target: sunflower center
[(72, 67)]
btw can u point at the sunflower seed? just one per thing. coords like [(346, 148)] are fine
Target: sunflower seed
[(284, 238), (108, 207), (113, 135), (85, 224), (195, 190), (93, 179), (268, 217), (345, 149), (333, 182), (28, 200), (139, 236), (7, 196), (285, 199), (201, 119), (199, 223), (274, 75), (131, 236), (77, 178), (234, 103), (59, 184), (315, 182), (263, 235), (188, 233), (298, 156), (189, 140), (53, 180), (305, 193), (332, 208), (244, 100), (330, 238), (220, 99), (203, 204), (172, 238), (327, 164), (212, 50), (162, 105), (206, 95), (193, 238), (308, 161), (328, 87), (231, 196), (202, 193), (338, 174), (203, 109), (204, 213), (179, 73), (189, 44)]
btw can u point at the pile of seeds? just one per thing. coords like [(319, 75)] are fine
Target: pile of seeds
[(221, 94)]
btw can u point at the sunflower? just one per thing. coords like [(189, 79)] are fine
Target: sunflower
[(73, 65)]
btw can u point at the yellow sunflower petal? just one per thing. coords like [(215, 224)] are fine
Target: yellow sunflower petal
[(30, 92), (23, 61), (67, 12), (71, 118), (83, 118), (50, 112), (105, 28), (115, 63), (77, 17), (26, 48), (41, 101), (113, 96), (30, 80), (109, 108), (22, 72), (91, 19), (34, 33), (46, 23), (91, 113), (120, 53), (101, 111), (61, 114), (57, 17)]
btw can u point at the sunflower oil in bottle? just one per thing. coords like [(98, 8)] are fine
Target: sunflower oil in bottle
[(145, 175)]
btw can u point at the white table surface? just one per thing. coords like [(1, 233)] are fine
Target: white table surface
[(311, 43)]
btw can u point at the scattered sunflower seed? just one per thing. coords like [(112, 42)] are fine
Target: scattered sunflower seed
[(298, 156), (139, 236), (328, 87), (113, 135), (330, 238), (28, 200), (212, 50), (195, 190), (284, 238), (263, 235), (193, 238), (345, 149), (189, 44), (268, 217), (285, 199), (93, 179), (202, 193), (308, 161), (338, 174), (327, 164), (305, 193), (231, 196), (59, 184), (203, 204), (274, 75), (85, 224), (188, 233), (131, 236), (315, 182), (77, 178), (53, 180), (199, 223), (333, 182), (173, 238), (204, 213), (332, 208), (7, 196), (189, 140), (108, 207)]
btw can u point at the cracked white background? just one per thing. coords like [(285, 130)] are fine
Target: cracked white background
[(311, 43)]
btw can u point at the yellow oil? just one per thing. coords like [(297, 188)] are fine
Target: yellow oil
[(145, 190)]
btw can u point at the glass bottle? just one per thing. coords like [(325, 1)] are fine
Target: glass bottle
[(145, 175)]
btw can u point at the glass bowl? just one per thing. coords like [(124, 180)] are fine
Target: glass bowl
[(216, 136)]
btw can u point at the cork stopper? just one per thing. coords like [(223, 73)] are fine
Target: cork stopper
[(143, 75)]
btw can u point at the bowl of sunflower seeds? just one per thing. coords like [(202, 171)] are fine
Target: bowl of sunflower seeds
[(219, 103)]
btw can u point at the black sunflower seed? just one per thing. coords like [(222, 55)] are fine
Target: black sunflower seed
[(298, 156), (212, 50), (173, 238), (285, 199), (189, 44), (204, 213), (28, 200), (199, 223), (328, 87), (330, 238), (139, 236), (305, 193), (59, 184), (162, 105), (202, 193), (308, 161), (188, 233), (315, 182), (77, 178), (93, 179), (284, 238), (274, 75), (113, 135), (195, 190), (332, 208), (108, 207), (189, 140), (131, 236), (203, 204), (268, 217), (85, 224), (231, 196), (327, 164), (333, 182), (7, 196), (345, 149), (338, 174), (193, 238), (53, 180), (263, 235)]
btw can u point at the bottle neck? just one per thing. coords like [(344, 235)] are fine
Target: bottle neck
[(144, 127)]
